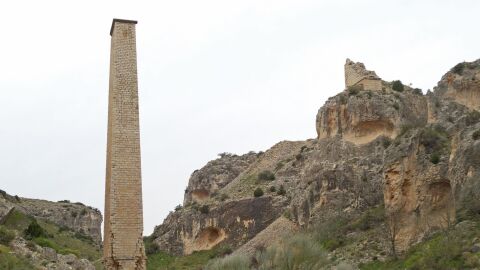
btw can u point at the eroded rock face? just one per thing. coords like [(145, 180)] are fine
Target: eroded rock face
[(75, 216), (462, 84), (363, 117), (418, 194), (216, 175), (48, 258), (415, 154), (232, 223)]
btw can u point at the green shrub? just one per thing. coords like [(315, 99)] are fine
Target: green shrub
[(238, 262), (476, 135), (398, 86), (435, 158), (178, 207), (6, 236), (44, 242), (272, 189), (468, 206), (150, 246), (279, 165), (396, 106), (354, 90), (83, 212), (266, 175), (299, 251), (74, 214), (204, 209), (386, 142), (418, 91), (34, 230), (434, 139), (458, 68), (281, 191), (258, 192), (472, 118)]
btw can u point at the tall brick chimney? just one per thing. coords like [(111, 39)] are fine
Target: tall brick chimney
[(123, 227)]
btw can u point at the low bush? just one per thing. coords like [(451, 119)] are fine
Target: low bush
[(476, 135), (386, 142), (281, 190), (178, 208), (266, 175), (258, 192), (299, 251), (398, 86), (6, 236), (150, 246), (354, 90), (204, 209), (435, 158), (238, 262), (472, 118), (272, 189), (433, 139), (418, 91), (458, 68), (34, 230)]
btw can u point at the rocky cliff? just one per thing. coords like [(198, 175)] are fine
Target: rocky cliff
[(415, 156), (39, 234), (75, 216)]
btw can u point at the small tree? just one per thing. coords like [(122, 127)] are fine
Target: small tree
[(34, 230), (266, 176), (392, 229), (398, 86), (204, 209), (258, 192), (6, 236)]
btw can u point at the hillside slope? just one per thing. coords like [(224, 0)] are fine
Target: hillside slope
[(392, 164), (39, 234)]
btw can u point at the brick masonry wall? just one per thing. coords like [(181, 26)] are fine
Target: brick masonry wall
[(123, 227), (351, 76)]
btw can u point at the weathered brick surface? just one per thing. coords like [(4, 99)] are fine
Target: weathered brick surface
[(357, 74), (123, 227)]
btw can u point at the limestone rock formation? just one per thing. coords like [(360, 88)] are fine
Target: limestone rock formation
[(48, 258), (415, 156), (462, 84), (75, 216), (215, 175)]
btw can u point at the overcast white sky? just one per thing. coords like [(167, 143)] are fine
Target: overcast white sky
[(214, 76)]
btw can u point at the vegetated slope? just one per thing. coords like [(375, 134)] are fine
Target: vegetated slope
[(37, 234), (390, 168)]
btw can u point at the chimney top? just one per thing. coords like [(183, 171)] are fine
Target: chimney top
[(120, 21)]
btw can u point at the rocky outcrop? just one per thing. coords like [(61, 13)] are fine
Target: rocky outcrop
[(75, 216), (415, 156), (361, 117), (215, 175), (233, 223), (462, 84), (48, 258)]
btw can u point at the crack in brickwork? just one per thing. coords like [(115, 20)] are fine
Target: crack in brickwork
[(123, 227)]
